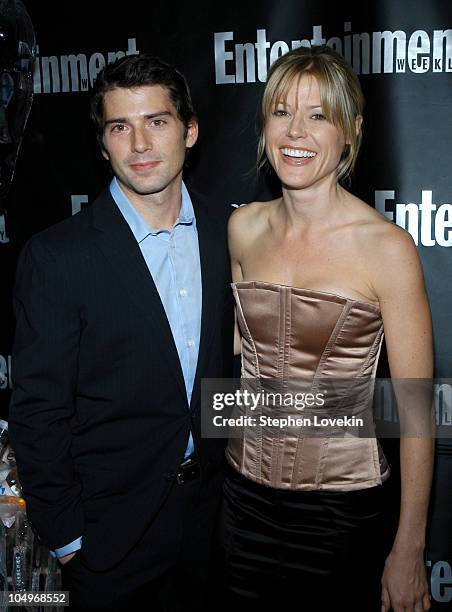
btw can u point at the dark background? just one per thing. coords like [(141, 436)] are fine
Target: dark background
[(406, 148)]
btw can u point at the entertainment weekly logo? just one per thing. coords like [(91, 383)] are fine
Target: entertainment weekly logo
[(428, 223), (386, 52), (440, 580), (74, 73)]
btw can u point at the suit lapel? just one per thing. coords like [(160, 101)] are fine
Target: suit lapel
[(123, 254), (209, 251)]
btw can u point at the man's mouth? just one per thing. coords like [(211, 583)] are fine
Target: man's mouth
[(144, 166)]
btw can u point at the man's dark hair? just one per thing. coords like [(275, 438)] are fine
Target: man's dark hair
[(138, 71)]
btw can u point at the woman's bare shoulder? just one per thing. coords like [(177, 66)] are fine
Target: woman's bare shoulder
[(376, 230), (384, 235), (388, 250), (249, 219)]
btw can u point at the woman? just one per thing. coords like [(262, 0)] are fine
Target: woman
[(317, 273)]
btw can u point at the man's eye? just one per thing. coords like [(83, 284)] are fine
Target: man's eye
[(119, 127), (158, 122)]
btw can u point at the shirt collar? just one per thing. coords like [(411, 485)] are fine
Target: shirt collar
[(137, 224)]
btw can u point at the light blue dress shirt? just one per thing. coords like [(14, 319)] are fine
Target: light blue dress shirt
[(172, 257)]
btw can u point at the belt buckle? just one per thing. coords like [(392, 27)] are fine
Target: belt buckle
[(188, 470)]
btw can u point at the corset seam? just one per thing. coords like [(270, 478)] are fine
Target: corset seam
[(376, 459), (379, 458), (249, 336), (284, 342), (332, 340), (257, 464), (372, 448), (374, 353), (283, 326), (324, 446)]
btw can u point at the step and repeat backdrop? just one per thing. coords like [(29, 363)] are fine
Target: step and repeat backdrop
[(402, 52)]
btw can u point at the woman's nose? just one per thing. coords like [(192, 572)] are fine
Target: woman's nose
[(297, 127)]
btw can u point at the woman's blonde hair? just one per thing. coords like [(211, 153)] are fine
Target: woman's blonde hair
[(340, 94)]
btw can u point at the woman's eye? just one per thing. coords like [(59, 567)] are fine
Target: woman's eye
[(280, 112), (318, 116)]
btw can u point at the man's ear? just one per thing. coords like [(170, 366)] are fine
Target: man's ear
[(192, 133), (103, 150)]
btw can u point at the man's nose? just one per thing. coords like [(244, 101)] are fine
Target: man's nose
[(141, 140)]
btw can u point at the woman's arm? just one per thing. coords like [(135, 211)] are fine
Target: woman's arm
[(399, 285)]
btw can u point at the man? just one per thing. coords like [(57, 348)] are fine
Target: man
[(121, 310)]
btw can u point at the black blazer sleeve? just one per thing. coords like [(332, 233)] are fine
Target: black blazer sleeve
[(44, 386)]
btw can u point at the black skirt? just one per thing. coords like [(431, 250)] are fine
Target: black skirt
[(323, 549)]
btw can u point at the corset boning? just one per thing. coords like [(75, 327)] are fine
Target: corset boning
[(304, 337)]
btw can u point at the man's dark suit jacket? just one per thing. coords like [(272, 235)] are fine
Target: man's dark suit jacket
[(99, 418)]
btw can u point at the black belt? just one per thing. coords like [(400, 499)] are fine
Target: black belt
[(188, 470)]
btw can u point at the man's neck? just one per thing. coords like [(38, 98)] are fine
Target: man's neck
[(158, 210)]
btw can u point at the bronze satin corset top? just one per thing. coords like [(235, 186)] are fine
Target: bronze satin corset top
[(309, 337)]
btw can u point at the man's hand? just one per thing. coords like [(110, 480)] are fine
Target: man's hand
[(66, 558)]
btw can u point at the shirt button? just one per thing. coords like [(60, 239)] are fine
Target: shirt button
[(182, 292), (190, 343)]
